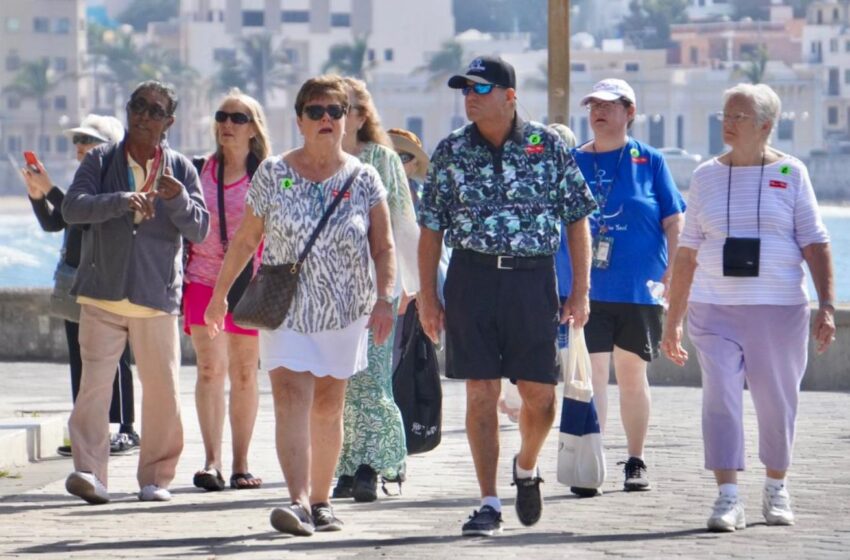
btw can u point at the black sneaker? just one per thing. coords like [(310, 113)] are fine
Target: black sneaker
[(585, 492), (293, 520), (324, 518), (529, 503), (64, 450), (344, 485), (124, 444), (365, 486), (635, 471), (485, 522)]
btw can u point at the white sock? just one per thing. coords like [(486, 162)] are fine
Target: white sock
[(777, 483), (492, 501), (526, 473), (729, 489)]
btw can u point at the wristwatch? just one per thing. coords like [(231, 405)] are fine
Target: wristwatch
[(387, 299), (827, 305)]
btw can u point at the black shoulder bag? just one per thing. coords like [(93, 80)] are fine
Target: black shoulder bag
[(269, 295)]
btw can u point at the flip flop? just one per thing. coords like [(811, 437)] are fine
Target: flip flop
[(238, 480), (209, 480)]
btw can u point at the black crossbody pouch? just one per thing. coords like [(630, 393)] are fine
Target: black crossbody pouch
[(741, 256)]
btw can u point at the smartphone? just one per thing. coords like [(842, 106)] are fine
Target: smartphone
[(32, 161)]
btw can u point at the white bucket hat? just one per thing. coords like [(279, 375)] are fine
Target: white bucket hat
[(610, 90), (104, 128)]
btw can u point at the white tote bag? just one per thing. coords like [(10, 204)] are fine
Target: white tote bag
[(581, 455)]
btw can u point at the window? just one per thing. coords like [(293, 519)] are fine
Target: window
[(820, 17), (224, 55), (13, 61), (60, 103), (14, 143), (835, 15), (847, 76), (680, 131), (388, 55), (13, 24), (41, 25), (833, 45), (414, 125), (748, 49), (785, 129), (291, 55), (62, 26), (295, 16), (584, 132), (578, 67), (60, 64), (370, 55), (694, 56), (833, 87), (44, 143), (715, 135), (340, 20), (13, 102), (61, 144), (832, 115), (846, 46), (632, 67), (656, 131), (252, 18)]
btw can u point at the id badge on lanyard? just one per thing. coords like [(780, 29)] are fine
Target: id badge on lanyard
[(602, 247)]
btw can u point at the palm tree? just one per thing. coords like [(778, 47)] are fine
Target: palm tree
[(258, 69), (349, 59), (34, 80), (443, 63), (757, 64)]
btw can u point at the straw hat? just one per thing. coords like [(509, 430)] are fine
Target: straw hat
[(406, 141)]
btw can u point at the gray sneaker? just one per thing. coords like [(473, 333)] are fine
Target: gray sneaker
[(324, 518), (293, 520), (124, 444)]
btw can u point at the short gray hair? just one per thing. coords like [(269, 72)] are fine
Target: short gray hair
[(765, 101)]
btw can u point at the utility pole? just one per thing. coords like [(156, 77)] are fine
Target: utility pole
[(559, 61)]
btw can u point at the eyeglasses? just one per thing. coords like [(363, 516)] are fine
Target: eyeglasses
[(736, 118), (235, 118), (479, 89), (603, 105), (85, 139), (406, 157), (139, 105), (316, 112)]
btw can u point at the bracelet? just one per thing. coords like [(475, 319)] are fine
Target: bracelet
[(387, 299), (827, 305)]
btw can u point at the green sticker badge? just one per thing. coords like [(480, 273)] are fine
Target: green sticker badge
[(634, 152), (286, 183), (534, 139), (785, 169)]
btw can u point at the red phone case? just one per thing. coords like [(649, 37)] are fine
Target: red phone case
[(31, 160)]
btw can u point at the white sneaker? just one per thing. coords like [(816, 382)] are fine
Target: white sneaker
[(727, 515), (153, 493), (87, 486), (776, 506)]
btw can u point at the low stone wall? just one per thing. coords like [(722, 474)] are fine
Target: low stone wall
[(29, 333)]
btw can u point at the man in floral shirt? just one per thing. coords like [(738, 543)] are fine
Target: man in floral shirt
[(499, 189)]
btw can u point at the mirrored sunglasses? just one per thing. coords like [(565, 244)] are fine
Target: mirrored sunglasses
[(406, 157), (316, 112), (140, 105), (235, 118), (85, 139), (480, 89)]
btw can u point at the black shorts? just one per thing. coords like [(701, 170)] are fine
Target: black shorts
[(633, 327), (501, 323)]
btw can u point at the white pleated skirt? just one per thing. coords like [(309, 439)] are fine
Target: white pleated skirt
[(338, 353)]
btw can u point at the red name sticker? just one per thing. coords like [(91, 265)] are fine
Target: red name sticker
[(538, 149), (639, 160), (346, 196), (778, 184)]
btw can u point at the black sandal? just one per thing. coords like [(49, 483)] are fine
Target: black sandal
[(209, 480), (237, 478)]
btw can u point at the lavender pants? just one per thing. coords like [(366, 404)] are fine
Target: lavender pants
[(764, 345)]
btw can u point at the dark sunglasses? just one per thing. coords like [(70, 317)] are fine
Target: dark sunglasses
[(235, 118), (139, 105), (85, 139), (406, 157), (316, 112), (480, 89)]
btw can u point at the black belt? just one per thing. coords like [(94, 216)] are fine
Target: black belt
[(502, 262)]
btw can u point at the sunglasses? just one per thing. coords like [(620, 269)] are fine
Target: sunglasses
[(316, 112), (85, 139), (140, 105), (406, 157), (235, 118), (480, 89)]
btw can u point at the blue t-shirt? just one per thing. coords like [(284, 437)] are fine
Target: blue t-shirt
[(643, 195)]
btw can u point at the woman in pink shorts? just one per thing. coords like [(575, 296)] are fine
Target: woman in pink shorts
[(242, 142)]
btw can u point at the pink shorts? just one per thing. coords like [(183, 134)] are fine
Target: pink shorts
[(196, 297)]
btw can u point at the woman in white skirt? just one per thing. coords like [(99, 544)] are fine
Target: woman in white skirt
[(324, 339)]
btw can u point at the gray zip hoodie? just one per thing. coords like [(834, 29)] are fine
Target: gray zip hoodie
[(143, 262)]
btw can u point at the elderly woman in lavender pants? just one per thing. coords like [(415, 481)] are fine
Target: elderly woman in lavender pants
[(752, 220)]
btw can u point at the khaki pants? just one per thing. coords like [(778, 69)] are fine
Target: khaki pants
[(155, 344)]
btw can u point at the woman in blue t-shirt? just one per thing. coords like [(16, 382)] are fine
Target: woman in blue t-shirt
[(636, 226)]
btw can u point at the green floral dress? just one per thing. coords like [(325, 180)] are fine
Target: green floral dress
[(374, 434)]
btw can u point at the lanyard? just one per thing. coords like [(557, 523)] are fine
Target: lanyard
[(602, 198), (729, 197), (157, 160)]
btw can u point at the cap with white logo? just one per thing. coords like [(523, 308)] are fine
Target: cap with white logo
[(486, 70), (610, 90)]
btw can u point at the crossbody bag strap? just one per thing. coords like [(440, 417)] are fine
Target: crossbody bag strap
[(222, 219), (323, 222)]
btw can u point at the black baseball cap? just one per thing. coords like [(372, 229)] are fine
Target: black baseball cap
[(486, 70)]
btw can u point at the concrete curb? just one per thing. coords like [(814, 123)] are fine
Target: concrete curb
[(30, 439)]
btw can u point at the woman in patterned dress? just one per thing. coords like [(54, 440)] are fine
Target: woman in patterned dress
[(323, 339), (374, 440)]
